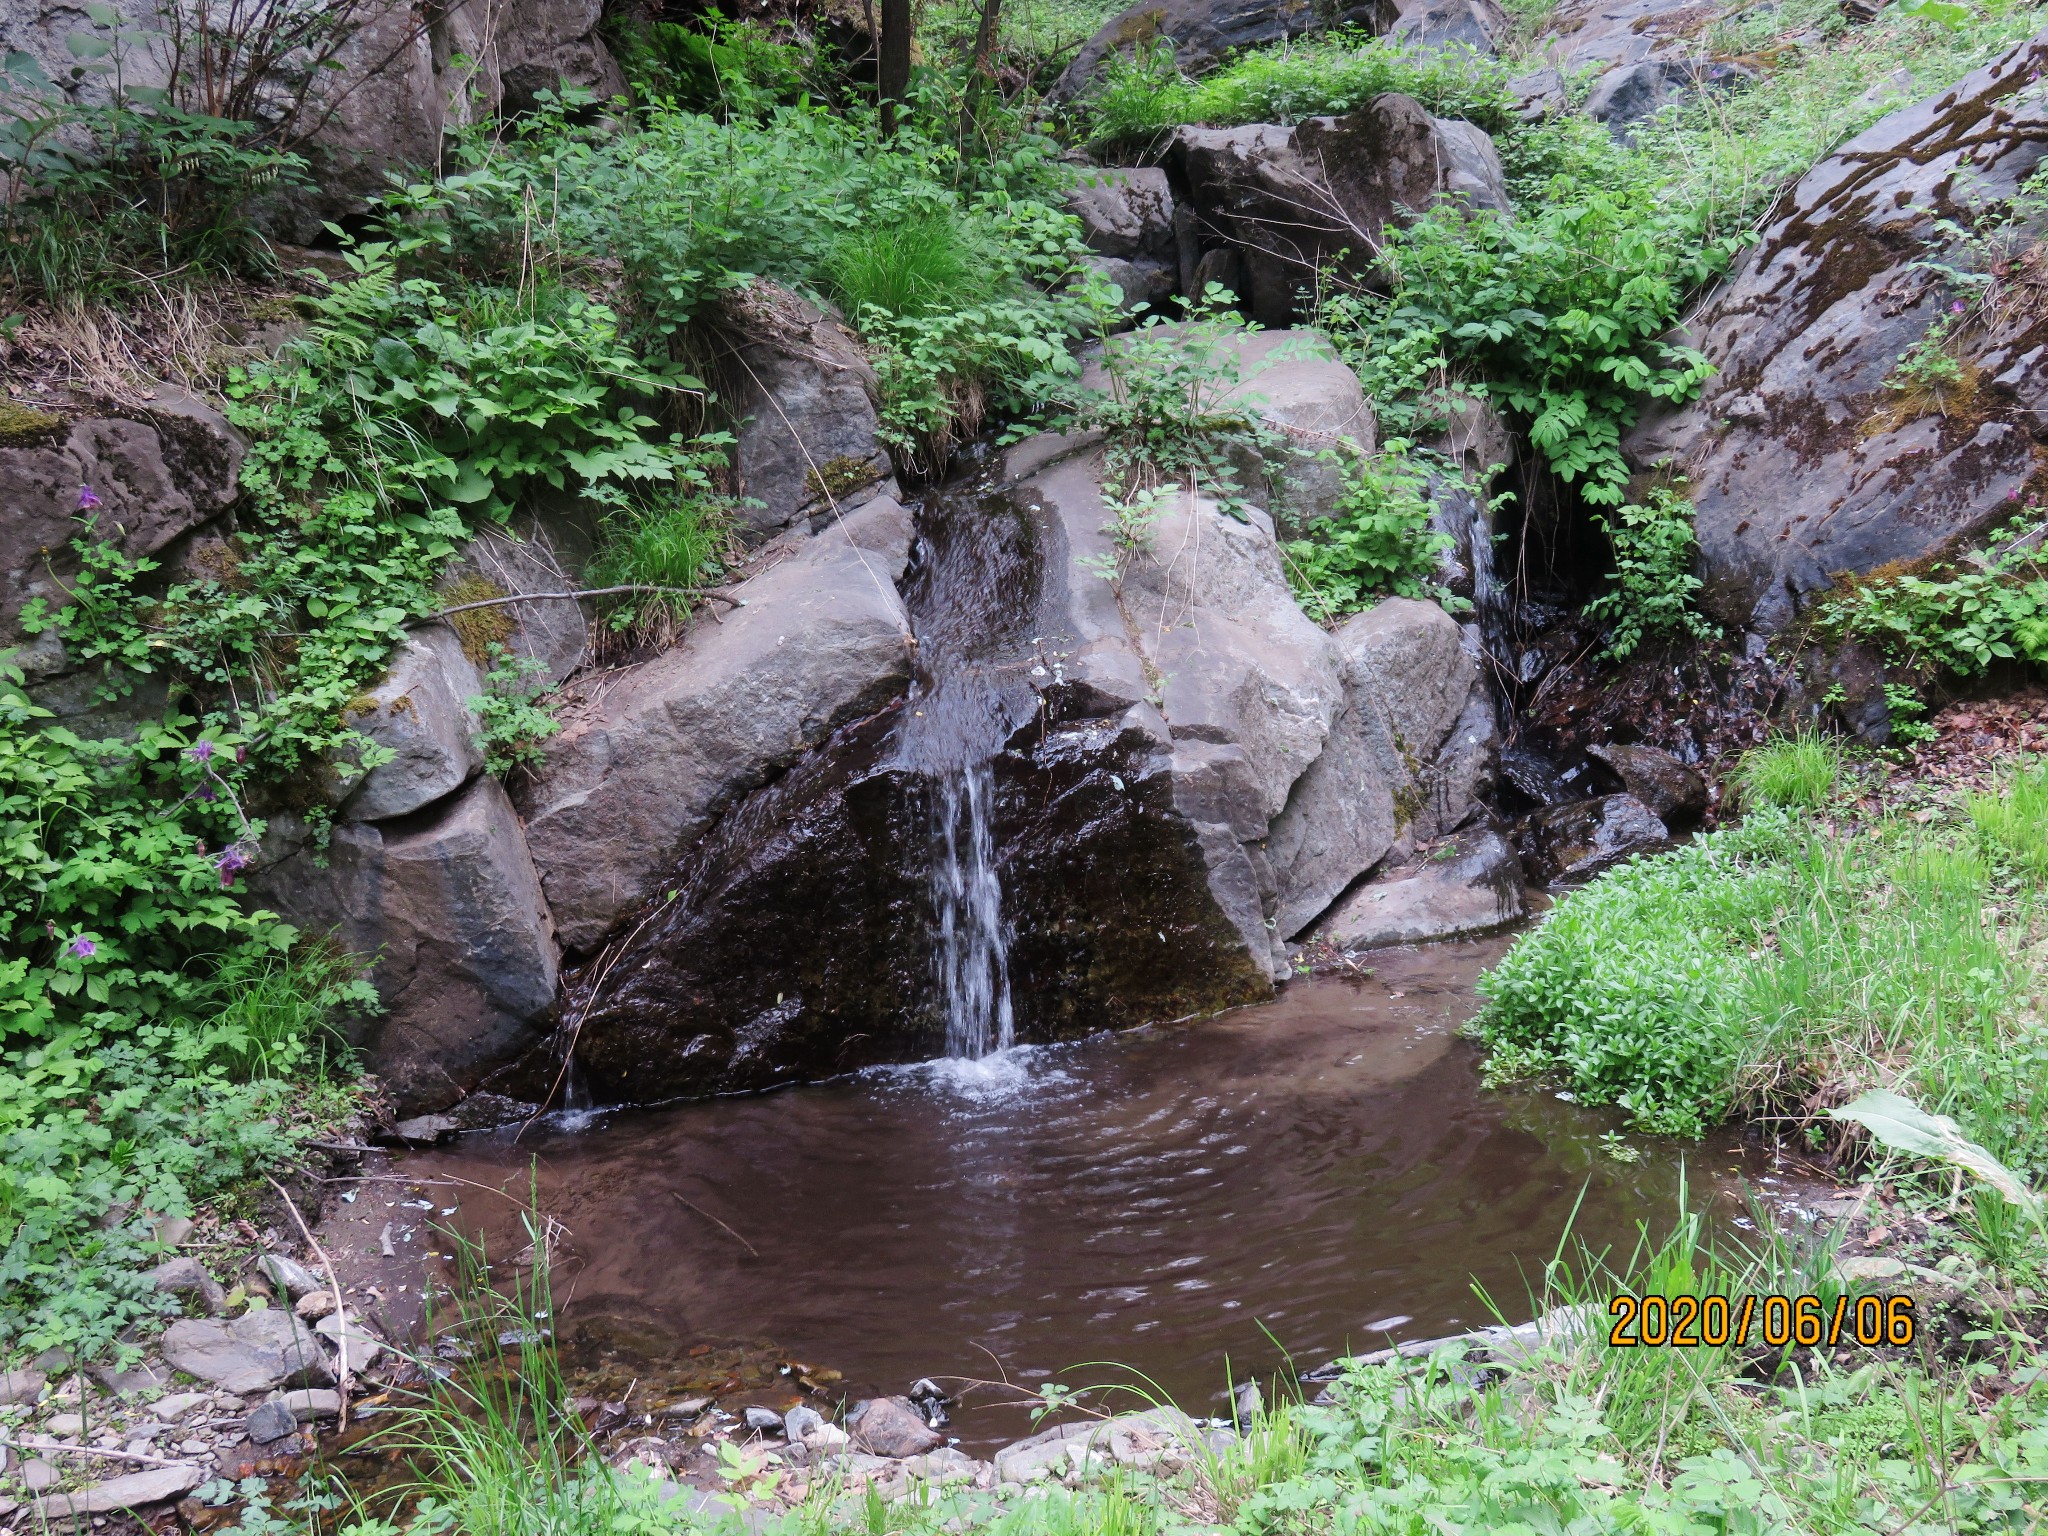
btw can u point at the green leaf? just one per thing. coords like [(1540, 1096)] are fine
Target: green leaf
[(1903, 1126)]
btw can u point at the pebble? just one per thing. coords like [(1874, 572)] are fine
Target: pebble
[(21, 1387), (64, 1425), (763, 1420), (37, 1474), (269, 1421), (288, 1275), (192, 1447), (314, 1305), (313, 1403), (800, 1422), (178, 1404)]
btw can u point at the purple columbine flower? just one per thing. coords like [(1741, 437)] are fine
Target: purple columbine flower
[(229, 864), (81, 947), (200, 751), (1958, 307), (208, 794), (88, 499)]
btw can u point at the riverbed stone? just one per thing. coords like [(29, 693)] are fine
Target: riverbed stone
[(135, 1490), (1577, 841), (1471, 883), (21, 1387), (890, 1426), (648, 759), (419, 711), (256, 1352), (289, 1275), (188, 1277), (309, 1403), (1801, 460), (269, 1421)]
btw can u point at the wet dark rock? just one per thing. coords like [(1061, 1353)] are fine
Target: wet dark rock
[(188, 1277), (1534, 777), (1675, 794), (890, 1426), (1203, 31), (763, 1421), (1575, 842), (1469, 884), (1289, 200), (1802, 463), (269, 1421)]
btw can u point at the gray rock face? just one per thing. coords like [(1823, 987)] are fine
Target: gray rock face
[(1598, 35), (538, 551), (805, 399), (1291, 199), (21, 1387), (256, 1352), (1577, 841), (1470, 884), (1801, 462), (1475, 24), (642, 768), (449, 903), (1203, 31), (156, 479), (1675, 794), (890, 1426), (400, 88), (1127, 218), (1631, 93), (420, 711)]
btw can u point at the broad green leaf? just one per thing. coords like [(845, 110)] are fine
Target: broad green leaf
[(1903, 1126)]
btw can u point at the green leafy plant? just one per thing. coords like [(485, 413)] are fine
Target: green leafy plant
[(514, 719), (1654, 585), (1962, 615), (1379, 539), (1804, 771)]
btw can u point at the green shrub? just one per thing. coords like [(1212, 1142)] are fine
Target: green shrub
[(723, 68), (1801, 772), (1961, 616), (1378, 541), (1654, 585), (512, 711), (1139, 95)]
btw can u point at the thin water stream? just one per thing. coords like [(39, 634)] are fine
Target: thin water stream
[(1320, 1171)]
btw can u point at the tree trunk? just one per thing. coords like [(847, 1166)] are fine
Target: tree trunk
[(893, 77), (982, 76)]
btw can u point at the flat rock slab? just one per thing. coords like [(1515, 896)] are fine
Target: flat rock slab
[(252, 1353), (1470, 884), (158, 1485)]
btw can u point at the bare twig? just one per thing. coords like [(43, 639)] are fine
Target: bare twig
[(341, 1370), (89, 1450), (709, 1217), (711, 594)]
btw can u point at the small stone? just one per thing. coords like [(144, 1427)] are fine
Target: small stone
[(288, 1275), (191, 1447), (1867, 1269), (315, 1305), (149, 1376), (63, 1425), (763, 1420), (37, 1475), (1248, 1402), (890, 1426), (269, 1421), (21, 1387), (313, 1403), (827, 1437), (358, 1345), (800, 1421), (425, 1130), (173, 1231), (186, 1276), (178, 1404), (51, 1361)]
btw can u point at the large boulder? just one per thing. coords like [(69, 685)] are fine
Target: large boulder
[(1801, 461), (649, 757), (1477, 25), (419, 712), (147, 480), (804, 400), (1289, 200), (447, 903), (1591, 37), (1203, 31), (256, 1352), (1470, 883)]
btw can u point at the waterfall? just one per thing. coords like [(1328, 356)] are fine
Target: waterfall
[(972, 592), (972, 955)]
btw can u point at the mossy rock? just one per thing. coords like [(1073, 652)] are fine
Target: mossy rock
[(23, 426)]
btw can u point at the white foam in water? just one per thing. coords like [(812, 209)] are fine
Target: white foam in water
[(992, 1079), (573, 1120)]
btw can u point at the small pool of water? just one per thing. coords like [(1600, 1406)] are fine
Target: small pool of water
[(1318, 1173)]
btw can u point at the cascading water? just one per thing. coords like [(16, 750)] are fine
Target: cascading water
[(972, 957), (972, 596)]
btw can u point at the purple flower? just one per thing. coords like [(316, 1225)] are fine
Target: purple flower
[(200, 752), (229, 863), (1958, 307), (88, 499), (81, 947), (208, 794)]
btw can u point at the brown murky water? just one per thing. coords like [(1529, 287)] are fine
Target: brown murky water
[(1313, 1173)]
